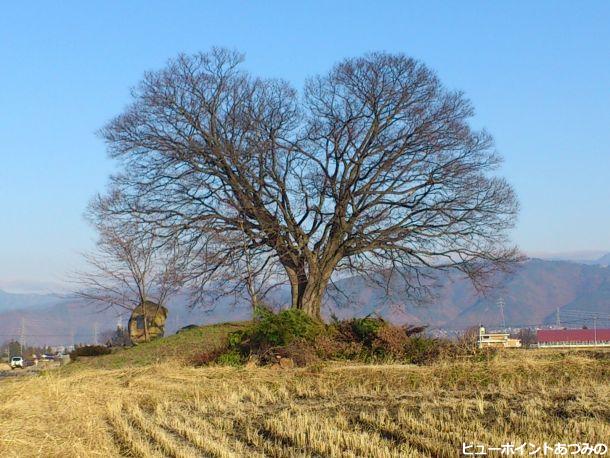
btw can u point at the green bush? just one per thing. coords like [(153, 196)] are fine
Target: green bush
[(230, 358), (422, 350), (275, 329), (366, 329), (287, 334)]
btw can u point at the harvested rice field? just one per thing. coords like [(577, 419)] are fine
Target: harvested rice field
[(334, 410)]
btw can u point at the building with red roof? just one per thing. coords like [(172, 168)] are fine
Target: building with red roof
[(557, 338)]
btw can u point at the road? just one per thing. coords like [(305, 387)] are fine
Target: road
[(7, 372)]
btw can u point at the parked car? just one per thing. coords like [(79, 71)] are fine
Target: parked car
[(17, 362)]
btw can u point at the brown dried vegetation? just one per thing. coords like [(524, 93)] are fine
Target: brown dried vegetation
[(337, 410)]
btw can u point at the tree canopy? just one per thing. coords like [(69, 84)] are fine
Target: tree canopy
[(374, 167)]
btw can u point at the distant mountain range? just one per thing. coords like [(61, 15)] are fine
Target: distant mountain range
[(533, 295), (538, 293), (14, 301), (62, 320), (32, 287), (581, 257), (603, 261)]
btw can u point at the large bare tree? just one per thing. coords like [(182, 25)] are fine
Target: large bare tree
[(373, 167)]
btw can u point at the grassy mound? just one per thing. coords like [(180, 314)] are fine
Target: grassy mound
[(179, 348), (289, 334)]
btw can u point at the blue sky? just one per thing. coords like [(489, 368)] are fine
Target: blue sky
[(538, 74)]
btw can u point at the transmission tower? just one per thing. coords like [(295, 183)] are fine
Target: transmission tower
[(501, 305), (95, 333), (558, 319)]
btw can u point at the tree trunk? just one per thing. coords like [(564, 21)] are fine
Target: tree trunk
[(145, 321), (308, 291)]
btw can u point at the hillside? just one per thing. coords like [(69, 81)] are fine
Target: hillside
[(531, 296), (604, 260), (18, 301), (176, 349)]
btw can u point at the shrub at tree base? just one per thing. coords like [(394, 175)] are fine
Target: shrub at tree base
[(293, 335), (287, 334), (89, 350), (276, 329), (230, 358), (374, 340), (365, 330)]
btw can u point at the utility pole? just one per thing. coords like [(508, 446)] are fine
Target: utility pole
[(95, 333), (22, 337)]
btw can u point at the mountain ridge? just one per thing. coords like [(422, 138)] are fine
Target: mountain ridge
[(533, 295)]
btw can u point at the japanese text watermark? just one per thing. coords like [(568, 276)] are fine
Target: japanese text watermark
[(529, 449)]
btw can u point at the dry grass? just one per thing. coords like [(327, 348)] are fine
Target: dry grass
[(337, 410)]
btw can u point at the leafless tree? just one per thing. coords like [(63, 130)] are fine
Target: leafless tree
[(528, 337), (245, 272), (129, 267), (375, 168), (468, 340)]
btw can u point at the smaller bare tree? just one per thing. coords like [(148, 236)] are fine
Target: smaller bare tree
[(250, 272), (130, 267), (467, 341), (527, 337)]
